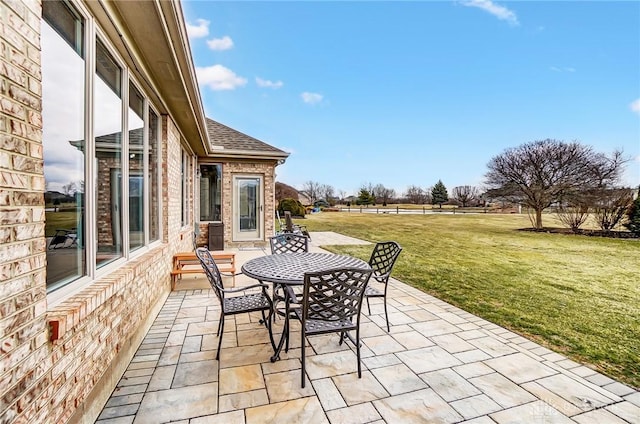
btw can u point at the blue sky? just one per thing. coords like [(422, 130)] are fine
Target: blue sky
[(407, 93)]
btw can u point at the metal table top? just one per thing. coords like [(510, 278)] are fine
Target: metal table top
[(289, 268)]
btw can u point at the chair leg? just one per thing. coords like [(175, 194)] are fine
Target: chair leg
[(386, 315), (368, 306), (220, 337), (358, 351), (302, 353), (220, 324)]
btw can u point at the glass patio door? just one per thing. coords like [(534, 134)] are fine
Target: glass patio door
[(248, 215)]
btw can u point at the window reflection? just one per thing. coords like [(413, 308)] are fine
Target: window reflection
[(108, 160), (62, 34), (154, 163), (136, 169), (210, 192)]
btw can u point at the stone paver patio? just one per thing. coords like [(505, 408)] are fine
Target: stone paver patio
[(439, 364)]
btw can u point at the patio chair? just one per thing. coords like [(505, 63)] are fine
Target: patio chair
[(283, 244), (288, 243), (233, 305), (330, 301), (382, 259), (290, 227)]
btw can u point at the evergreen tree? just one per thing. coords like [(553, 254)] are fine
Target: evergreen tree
[(634, 216), (364, 197), (439, 194)]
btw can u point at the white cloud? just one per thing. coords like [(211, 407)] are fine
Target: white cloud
[(218, 78), (311, 98), (268, 84), (562, 69), (218, 44), (198, 31), (635, 106), (496, 10)]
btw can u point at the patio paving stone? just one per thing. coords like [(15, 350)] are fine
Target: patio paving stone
[(241, 379), (438, 364), (356, 414), (452, 343), (381, 345), (358, 390), (535, 413), (286, 386), (450, 385), (243, 400), (194, 373), (398, 379), (598, 416), (306, 410), (234, 417), (428, 359), (475, 406), (423, 406), (328, 394), (502, 390), (579, 394), (520, 368), (412, 340), (178, 404), (626, 410)]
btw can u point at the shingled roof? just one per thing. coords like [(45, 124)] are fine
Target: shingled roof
[(227, 142)]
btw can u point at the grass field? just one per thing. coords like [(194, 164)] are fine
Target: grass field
[(577, 295)]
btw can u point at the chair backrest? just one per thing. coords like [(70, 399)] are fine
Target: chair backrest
[(281, 225), (334, 295), (211, 270), (288, 243), (288, 222), (383, 257)]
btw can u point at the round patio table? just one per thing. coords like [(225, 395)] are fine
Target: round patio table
[(288, 269)]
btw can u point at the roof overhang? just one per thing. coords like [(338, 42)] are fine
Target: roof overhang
[(248, 155), (151, 36)]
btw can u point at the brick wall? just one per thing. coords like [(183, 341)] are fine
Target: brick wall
[(59, 364), (24, 348), (266, 169)]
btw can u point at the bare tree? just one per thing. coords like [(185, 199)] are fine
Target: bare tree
[(539, 173), (415, 194), (611, 206), (574, 211), (312, 190), (383, 194), (465, 194), (326, 192), (69, 189), (342, 195)]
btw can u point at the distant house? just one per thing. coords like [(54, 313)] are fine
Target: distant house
[(237, 186), (102, 96), (286, 191)]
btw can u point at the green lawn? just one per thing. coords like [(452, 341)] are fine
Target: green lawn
[(577, 295)]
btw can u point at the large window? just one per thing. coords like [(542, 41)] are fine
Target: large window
[(108, 156), (210, 193), (106, 142), (136, 168), (63, 103)]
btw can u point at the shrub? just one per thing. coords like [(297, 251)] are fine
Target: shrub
[(292, 205), (633, 214)]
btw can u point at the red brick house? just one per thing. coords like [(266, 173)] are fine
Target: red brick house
[(100, 109)]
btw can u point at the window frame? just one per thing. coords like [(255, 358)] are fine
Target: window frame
[(56, 293)]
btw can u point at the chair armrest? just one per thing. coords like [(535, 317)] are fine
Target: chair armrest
[(245, 288)]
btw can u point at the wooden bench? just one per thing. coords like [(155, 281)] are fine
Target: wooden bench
[(226, 263)]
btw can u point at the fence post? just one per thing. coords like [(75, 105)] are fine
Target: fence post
[(397, 210), (377, 211), (360, 209), (423, 211)]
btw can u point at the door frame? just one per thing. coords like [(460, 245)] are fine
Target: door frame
[(258, 234)]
